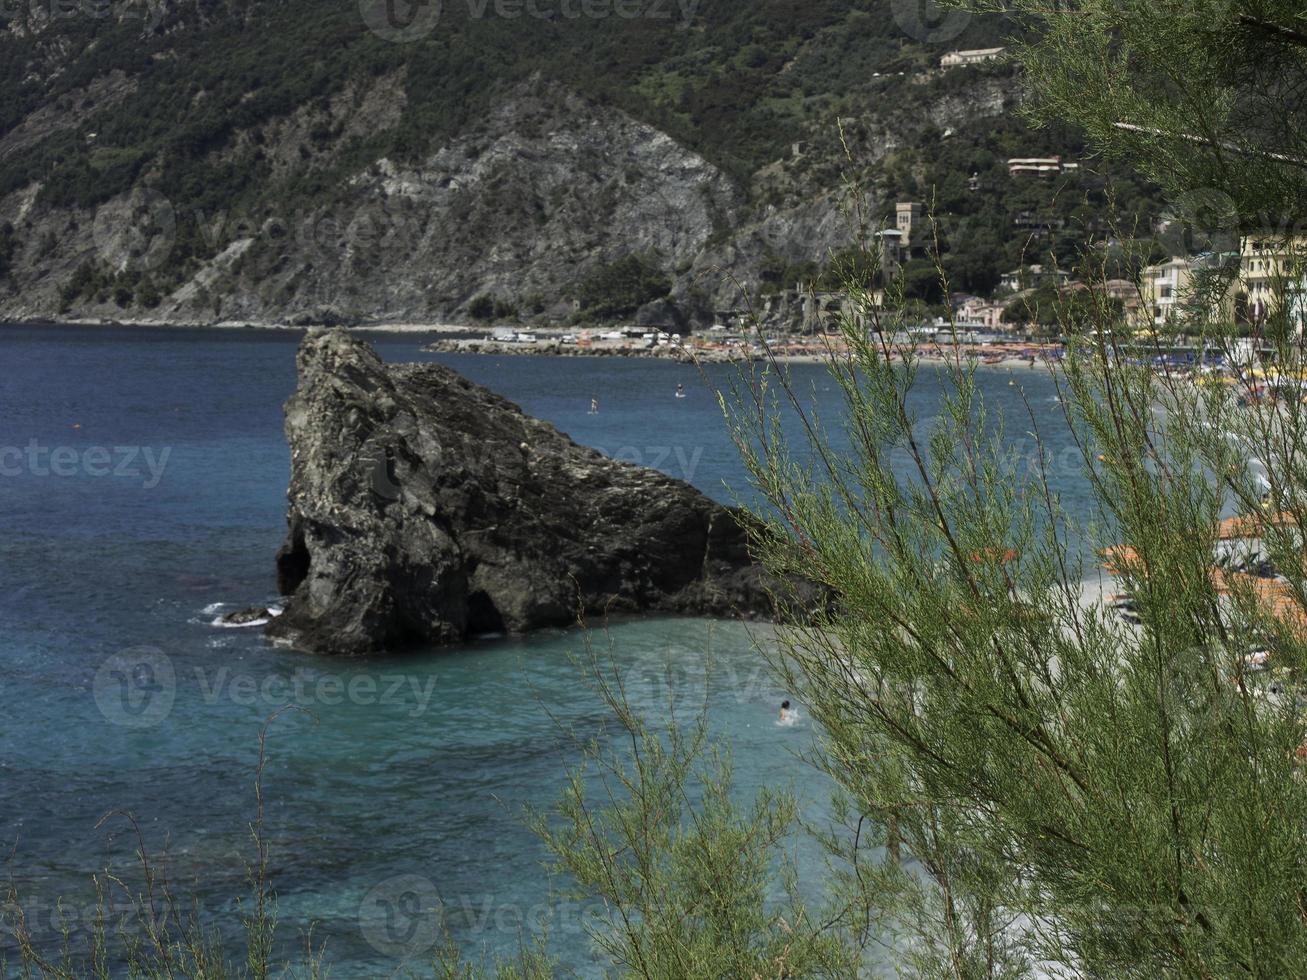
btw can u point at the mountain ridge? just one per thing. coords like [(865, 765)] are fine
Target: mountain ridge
[(199, 161)]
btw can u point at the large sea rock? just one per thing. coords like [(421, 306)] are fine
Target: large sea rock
[(424, 509)]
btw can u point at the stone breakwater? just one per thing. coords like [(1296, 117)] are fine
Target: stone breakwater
[(424, 509)]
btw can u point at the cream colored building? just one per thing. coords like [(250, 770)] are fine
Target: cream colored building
[(983, 312), (1162, 288), (1039, 166), (908, 239), (956, 59), (908, 217), (1272, 277)]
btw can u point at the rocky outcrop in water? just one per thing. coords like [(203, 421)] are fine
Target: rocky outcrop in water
[(424, 509)]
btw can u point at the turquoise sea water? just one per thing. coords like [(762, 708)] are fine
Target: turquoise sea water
[(142, 486)]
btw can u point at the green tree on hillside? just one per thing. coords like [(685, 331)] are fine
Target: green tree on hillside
[(481, 308), (620, 288), (1097, 793), (1055, 311)]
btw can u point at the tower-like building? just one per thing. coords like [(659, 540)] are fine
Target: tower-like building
[(908, 219), (908, 239)]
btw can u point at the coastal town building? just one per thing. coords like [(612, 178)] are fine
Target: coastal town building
[(1032, 277), (1162, 288), (982, 312), (1121, 293), (820, 309), (1039, 166), (975, 56), (892, 251), (1272, 278), (1038, 226), (907, 219), (908, 239), (1121, 290)]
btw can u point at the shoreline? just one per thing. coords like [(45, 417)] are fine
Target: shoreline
[(402, 326), (698, 351), (453, 338)]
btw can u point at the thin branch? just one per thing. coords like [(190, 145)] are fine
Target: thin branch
[(1286, 34), (1208, 142)]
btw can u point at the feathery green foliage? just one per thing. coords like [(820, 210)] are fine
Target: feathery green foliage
[(1105, 795), (1205, 97)]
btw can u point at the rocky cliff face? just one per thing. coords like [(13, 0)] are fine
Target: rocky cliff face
[(549, 188), (521, 204), (289, 161), (425, 509)]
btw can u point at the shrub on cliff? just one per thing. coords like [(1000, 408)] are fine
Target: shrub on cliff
[(481, 308), (618, 289)]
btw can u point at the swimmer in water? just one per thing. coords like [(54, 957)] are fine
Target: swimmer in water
[(594, 406), (788, 715)]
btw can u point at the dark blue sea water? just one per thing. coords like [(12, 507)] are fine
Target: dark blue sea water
[(142, 485)]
